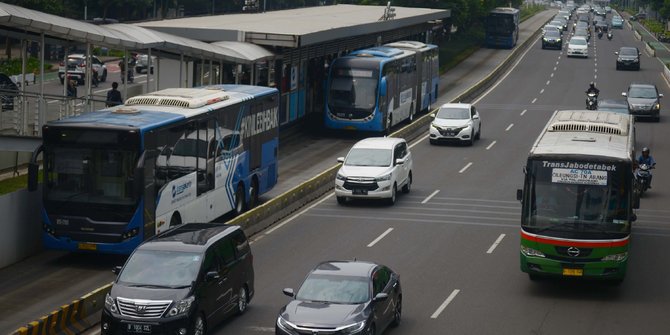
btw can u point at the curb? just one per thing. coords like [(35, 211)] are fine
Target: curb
[(77, 316)]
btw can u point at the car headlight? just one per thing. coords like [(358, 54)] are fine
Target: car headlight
[(340, 177), (181, 307), (384, 177), (558, 40), (545, 39), (657, 106), (354, 328), (110, 304), (531, 252), (434, 126), (616, 257), (284, 325)]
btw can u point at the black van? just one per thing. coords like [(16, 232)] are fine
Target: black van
[(181, 282)]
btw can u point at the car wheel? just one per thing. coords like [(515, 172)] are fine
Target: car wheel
[(341, 200), (104, 76), (239, 200), (657, 118), (389, 122), (533, 277), (479, 132), (471, 141), (372, 330), (62, 81), (408, 185), (394, 192), (242, 301), (432, 141), (199, 327), (397, 313), (618, 67), (253, 194)]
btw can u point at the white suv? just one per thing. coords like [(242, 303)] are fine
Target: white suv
[(76, 68), (375, 168)]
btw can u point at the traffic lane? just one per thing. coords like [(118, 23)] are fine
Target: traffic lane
[(54, 87)]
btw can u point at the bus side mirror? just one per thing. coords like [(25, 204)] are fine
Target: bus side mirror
[(519, 194), (382, 87), (33, 170)]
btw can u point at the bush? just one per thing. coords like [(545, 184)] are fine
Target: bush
[(12, 67)]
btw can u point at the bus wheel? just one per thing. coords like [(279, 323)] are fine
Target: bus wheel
[(175, 220), (239, 200), (389, 122), (253, 194)]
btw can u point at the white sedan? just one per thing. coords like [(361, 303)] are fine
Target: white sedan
[(578, 47), (456, 122)]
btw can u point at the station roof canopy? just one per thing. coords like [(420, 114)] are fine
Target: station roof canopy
[(296, 27), (118, 36)]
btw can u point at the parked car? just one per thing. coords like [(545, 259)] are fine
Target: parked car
[(343, 297), (552, 39), (76, 68), (578, 47), (628, 58), (182, 281), (8, 92), (644, 101), (456, 122), (143, 63), (375, 168)]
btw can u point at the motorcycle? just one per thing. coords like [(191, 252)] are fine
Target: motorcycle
[(642, 178), (591, 101), (600, 34), (609, 36), (128, 75)]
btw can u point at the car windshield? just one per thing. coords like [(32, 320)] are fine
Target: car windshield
[(628, 52), (578, 41), (368, 157), (453, 113), (335, 289), (161, 268), (552, 34), (642, 92)]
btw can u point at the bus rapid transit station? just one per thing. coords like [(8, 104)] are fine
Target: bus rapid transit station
[(578, 197)]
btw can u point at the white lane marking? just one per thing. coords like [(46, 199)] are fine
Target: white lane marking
[(445, 303), (596, 63), (595, 76), (262, 329), (495, 244), (542, 91), (554, 68), (418, 141), (523, 112), (559, 57), (549, 81), (465, 167), (552, 75), (491, 145), (556, 62), (430, 196), (380, 237), (595, 70), (532, 102), (509, 127), (301, 213)]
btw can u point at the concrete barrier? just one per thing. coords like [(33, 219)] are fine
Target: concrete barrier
[(73, 318), (666, 71), (637, 35), (650, 50), (77, 316)]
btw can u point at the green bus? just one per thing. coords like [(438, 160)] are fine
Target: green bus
[(578, 197)]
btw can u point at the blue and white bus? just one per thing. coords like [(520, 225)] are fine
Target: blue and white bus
[(115, 177), (374, 89), (502, 27), (428, 67)]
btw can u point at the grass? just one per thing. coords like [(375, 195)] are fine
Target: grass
[(13, 184)]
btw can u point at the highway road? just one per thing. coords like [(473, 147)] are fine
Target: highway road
[(455, 239)]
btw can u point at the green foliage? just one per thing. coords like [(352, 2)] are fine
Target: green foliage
[(460, 47), (13, 66), (654, 26), (16, 183), (528, 11)]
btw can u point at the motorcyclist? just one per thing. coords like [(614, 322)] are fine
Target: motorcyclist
[(592, 89), (600, 32), (646, 158)]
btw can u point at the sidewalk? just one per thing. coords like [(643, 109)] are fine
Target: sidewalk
[(661, 49)]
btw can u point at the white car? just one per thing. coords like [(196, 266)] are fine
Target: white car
[(375, 168), (456, 122), (76, 68), (578, 47)]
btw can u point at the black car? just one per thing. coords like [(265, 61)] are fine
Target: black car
[(628, 58), (552, 39), (8, 92), (343, 297), (182, 281), (644, 101)]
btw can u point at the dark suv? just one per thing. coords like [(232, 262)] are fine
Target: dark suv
[(628, 57), (644, 101), (181, 282)]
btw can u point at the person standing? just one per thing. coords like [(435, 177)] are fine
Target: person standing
[(114, 96)]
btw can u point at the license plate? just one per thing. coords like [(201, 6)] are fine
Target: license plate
[(451, 134), (138, 328), (87, 246), (360, 191), (573, 272)]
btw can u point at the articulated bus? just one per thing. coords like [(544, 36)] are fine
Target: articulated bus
[(115, 177), (502, 27), (374, 89), (578, 197)]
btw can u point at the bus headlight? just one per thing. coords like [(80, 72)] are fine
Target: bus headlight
[(616, 257), (530, 252)]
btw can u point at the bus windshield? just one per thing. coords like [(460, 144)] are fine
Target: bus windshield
[(500, 23), (565, 201), (353, 89)]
